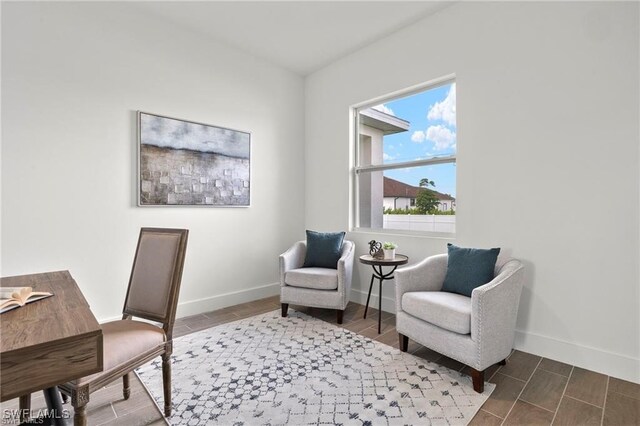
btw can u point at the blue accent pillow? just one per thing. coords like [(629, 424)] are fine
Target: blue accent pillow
[(468, 268), (323, 249)]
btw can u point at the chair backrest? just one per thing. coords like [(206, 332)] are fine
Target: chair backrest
[(347, 246), (156, 274)]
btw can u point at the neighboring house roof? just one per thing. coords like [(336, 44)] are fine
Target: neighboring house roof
[(388, 124), (395, 188)]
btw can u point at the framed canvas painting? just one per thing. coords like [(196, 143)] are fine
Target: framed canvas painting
[(184, 163)]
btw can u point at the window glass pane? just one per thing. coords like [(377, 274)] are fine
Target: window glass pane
[(413, 198), (397, 133), (415, 127)]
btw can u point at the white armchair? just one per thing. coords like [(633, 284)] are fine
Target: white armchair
[(477, 331), (316, 287)]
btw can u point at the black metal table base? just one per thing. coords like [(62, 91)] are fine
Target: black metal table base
[(381, 276), (55, 415)]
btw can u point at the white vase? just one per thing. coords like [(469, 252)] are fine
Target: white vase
[(389, 254)]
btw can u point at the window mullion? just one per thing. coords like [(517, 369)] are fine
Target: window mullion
[(406, 164)]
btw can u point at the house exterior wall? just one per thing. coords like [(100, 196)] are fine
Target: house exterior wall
[(397, 203), (370, 184)]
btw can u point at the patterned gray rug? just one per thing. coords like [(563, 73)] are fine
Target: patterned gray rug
[(268, 370)]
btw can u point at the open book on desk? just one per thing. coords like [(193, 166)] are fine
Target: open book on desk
[(15, 297)]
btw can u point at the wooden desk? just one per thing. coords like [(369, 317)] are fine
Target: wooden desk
[(48, 342)]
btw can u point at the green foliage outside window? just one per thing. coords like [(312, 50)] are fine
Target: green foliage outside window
[(426, 202)]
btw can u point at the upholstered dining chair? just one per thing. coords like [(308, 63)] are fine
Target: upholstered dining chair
[(315, 286), (153, 291), (477, 331)]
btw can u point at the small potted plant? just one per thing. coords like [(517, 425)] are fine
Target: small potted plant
[(389, 250)]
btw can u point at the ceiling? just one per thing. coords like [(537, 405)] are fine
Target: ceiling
[(302, 36)]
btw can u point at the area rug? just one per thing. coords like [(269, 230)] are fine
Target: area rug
[(299, 370)]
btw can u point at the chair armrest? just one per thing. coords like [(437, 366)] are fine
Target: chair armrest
[(292, 259), (494, 311), (427, 275), (345, 269)]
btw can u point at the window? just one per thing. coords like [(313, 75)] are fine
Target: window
[(405, 161)]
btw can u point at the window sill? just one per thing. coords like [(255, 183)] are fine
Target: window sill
[(405, 233)]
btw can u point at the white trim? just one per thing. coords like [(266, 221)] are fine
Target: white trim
[(408, 91), (355, 169), (207, 304), (220, 301), (354, 155), (360, 296), (406, 164), (590, 358), (387, 232)]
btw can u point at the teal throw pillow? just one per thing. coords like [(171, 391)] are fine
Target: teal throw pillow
[(468, 268), (323, 249)]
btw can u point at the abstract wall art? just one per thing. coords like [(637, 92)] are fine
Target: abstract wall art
[(184, 163)]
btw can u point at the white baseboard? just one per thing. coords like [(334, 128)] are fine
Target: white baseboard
[(359, 296), (594, 359), (194, 307), (198, 306), (605, 362), (610, 363)]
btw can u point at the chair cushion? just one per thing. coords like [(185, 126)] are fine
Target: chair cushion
[(468, 268), (124, 340), (315, 278), (323, 249), (446, 310)]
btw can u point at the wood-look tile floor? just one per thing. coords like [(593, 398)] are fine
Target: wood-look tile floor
[(530, 390)]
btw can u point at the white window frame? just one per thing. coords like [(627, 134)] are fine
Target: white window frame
[(357, 170)]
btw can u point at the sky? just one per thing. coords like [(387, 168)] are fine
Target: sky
[(432, 132)]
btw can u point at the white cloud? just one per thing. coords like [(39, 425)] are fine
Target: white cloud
[(442, 136), (446, 109), (418, 136), (389, 157), (384, 108)]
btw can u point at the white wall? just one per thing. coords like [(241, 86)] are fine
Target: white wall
[(547, 116), (73, 75)]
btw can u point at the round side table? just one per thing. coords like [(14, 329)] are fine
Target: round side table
[(377, 265)]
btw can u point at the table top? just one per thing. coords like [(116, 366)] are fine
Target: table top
[(48, 334), (400, 259)]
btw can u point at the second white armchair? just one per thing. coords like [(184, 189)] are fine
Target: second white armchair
[(477, 331), (315, 286)]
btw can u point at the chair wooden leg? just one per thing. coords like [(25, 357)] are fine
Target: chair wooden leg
[(79, 401), (25, 407), (126, 389), (80, 416), (478, 380), (166, 383), (403, 342), (285, 308), (340, 315)]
